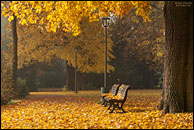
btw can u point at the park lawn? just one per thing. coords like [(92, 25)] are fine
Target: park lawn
[(83, 110)]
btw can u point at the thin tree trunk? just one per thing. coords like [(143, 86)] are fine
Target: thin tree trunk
[(80, 81), (149, 79), (178, 65), (15, 40), (71, 79)]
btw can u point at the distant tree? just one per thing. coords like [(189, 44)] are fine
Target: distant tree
[(67, 17), (42, 46), (128, 70), (41, 75), (70, 81), (145, 41)]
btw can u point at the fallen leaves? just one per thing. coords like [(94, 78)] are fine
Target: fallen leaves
[(70, 111)]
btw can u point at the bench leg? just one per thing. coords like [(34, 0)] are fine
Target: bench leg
[(103, 100), (121, 108), (118, 105), (106, 103), (109, 106), (113, 108)]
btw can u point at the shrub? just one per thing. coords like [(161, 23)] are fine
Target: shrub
[(65, 88), (22, 90), (4, 97), (7, 92)]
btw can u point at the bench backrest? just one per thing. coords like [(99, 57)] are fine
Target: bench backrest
[(123, 90), (114, 89)]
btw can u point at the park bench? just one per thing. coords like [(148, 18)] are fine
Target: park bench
[(118, 100), (112, 92)]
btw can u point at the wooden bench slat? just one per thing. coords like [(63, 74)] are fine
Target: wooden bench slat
[(113, 91), (123, 90)]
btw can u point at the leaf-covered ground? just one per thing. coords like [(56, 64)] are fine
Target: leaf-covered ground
[(82, 110)]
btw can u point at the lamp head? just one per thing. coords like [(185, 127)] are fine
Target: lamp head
[(105, 21), (75, 49)]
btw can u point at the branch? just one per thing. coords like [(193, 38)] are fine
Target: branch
[(160, 10)]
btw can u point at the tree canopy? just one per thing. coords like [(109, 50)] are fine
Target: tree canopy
[(39, 45), (66, 15)]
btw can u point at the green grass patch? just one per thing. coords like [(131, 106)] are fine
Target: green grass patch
[(14, 101)]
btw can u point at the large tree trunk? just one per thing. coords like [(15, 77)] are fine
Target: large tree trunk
[(14, 65), (178, 65), (71, 79), (149, 79)]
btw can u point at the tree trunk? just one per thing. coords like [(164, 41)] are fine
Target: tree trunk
[(14, 65), (62, 74), (178, 64), (80, 82), (149, 79), (71, 79)]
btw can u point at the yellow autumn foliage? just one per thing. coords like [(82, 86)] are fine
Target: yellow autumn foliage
[(67, 110), (67, 14), (36, 44)]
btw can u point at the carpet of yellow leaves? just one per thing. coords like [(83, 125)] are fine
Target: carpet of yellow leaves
[(47, 110)]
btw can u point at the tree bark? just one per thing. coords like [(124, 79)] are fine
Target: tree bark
[(149, 79), (71, 79), (80, 82), (15, 41), (70, 74), (178, 64)]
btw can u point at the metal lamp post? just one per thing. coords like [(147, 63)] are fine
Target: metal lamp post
[(105, 23), (75, 69)]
